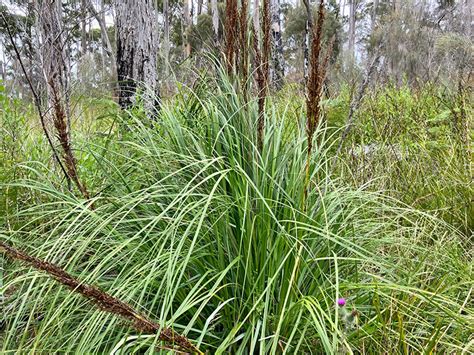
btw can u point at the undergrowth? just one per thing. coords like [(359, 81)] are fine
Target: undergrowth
[(200, 230)]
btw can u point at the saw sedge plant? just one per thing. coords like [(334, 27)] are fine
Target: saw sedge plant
[(203, 232)]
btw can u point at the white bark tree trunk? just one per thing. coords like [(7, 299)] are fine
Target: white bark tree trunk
[(187, 8), (199, 7), (215, 20), (374, 14), (137, 50), (308, 30), (83, 28), (106, 44)]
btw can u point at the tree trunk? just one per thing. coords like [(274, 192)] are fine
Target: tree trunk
[(278, 61), (352, 21), (2, 72), (187, 27), (396, 5), (106, 44), (137, 49), (373, 18), (166, 36), (215, 20), (199, 9), (267, 41)]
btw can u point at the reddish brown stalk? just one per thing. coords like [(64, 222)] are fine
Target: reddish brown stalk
[(325, 64), (69, 167), (60, 123), (103, 300), (262, 69), (315, 85), (231, 23), (315, 78)]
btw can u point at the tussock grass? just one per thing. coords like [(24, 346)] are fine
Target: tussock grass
[(206, 234)]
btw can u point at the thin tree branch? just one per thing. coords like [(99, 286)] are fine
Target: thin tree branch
[(357, 100)]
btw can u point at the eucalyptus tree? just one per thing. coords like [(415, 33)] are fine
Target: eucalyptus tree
[(215, 20), (188, 22), (137, 51), (166, 36), (106, 43)]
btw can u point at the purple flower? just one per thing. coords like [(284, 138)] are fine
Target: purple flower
[(341, 302)]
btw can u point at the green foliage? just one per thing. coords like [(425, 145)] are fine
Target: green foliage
[(414, 142), (16, 146), (204, 233)]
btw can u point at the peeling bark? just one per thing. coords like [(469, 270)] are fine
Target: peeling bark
[(215, 20)]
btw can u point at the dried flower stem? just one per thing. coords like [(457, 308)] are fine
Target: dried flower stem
[(103, 300), (231, 23), (355, 103), (315, 85), (64, 137), (262, 68)]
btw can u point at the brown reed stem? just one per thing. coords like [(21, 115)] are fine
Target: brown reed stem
[(314, 88), (231, 23), (262, 69), (64, 137), (102, 300)]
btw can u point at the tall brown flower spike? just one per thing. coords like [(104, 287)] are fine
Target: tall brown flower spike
[(103, 300)]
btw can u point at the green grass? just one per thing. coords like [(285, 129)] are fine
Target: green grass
[(196, 228)]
